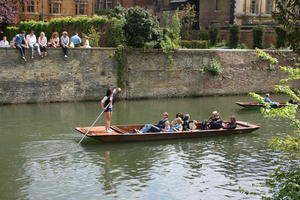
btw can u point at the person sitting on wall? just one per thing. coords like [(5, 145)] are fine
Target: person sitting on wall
[(20, 43), (32, 43), (155, 128), (268, 100), (231, 124), (4, 42), (54, 40), (75, 39), (214, 122)]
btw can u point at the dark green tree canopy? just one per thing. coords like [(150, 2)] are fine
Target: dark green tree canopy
[(288, 14)]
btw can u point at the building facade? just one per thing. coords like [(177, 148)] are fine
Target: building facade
[(242, 12), (254, 11), (44, 10)]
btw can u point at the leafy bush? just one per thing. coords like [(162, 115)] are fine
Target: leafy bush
[(11, 31), (281, 37), (194, 44), (258, 34), (213, 35), (214, 68), (234, 36), (94, 37), (104, 12), (171, 36), (140, 27), (203, 34)]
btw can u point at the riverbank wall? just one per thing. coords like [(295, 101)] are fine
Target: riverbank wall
[(86, 74)]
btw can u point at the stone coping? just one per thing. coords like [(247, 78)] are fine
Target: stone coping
[(158, 50)]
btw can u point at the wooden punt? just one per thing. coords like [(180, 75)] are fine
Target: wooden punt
[(126, 133), (258, 105)]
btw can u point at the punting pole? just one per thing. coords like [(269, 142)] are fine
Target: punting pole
[(93, 124)]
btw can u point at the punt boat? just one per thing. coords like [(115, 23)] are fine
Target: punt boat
[(126, 133), (258, 105)]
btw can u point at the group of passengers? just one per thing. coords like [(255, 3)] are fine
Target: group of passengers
[(41, 43), (182, 122)]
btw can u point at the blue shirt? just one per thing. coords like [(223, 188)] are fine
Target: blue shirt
[(269, 101), (19, 39), (76, 39)]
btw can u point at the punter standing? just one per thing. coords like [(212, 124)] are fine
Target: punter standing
[(107, 104)]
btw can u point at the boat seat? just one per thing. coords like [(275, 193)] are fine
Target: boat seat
[(118, 129)]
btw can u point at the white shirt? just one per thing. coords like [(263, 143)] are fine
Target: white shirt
[(105, 99), (31, 39), (4, 43)]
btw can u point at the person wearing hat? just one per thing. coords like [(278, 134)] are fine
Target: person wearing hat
[(268, 100)]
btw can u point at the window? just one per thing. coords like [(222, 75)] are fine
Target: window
[(30, 6), (99, 5), (269, 6), (108, 4), (80, 9), (253, 6), (217, 5), (22, 7), (55, 7)]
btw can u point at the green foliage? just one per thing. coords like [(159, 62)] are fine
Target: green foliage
[(104, 12), (281, 38), (287, 14), (265, 56), (11, 31), (234, 36), (214, 68), (213, 35), (171, 36), (187, 17), (258, 34), (285, 184), (117, 32), (120, 65), (94, 37), (194, 44), (140, 27), (203, 34)]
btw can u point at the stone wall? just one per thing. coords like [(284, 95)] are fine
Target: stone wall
[(149, 74), (83, 76), (87, 73)]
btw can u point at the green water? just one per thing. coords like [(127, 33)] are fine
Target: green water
[(40, 157)]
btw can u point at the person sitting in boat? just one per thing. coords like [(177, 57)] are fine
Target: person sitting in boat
[(179, 114), (231, 124), (177, 125), (292, 101), (214, 122), (187, 123), (155, 128), (268, 100), (167, 127)]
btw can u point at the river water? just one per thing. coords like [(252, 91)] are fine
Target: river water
[(40, 157)]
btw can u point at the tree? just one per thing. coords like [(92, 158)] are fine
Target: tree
[(8, 11), (285, 182), (140, 26), (187, 17), (287, 13)]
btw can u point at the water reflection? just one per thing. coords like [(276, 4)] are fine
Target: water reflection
[(41, 157)]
